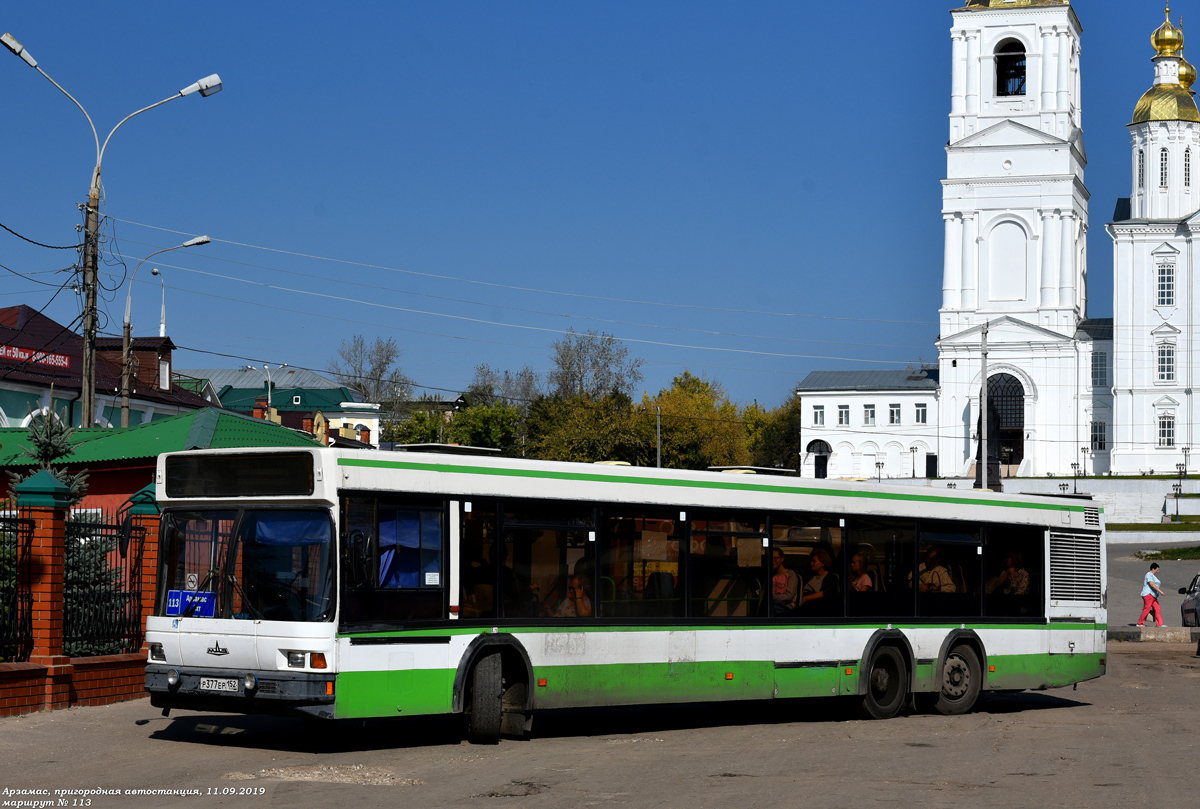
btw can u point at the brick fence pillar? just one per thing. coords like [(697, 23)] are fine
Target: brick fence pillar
[(45, 499)]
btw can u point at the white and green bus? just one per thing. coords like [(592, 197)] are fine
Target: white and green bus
[(338, 583)]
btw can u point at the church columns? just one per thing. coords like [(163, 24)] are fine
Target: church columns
[(1066, 262), (1064, 70), (972, 73), (1047, 69), (951, 274), (1049, 297), (958, 77), (968, 260)]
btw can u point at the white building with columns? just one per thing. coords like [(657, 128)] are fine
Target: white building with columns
[(1015, 209), (1156, 308)]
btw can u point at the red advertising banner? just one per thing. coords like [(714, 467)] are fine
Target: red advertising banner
[(34, 356)]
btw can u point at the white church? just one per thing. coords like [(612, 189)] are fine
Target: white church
[(1073, 394)]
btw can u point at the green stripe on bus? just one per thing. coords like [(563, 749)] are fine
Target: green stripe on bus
[(402, 692), (592, 477), (414, 692)]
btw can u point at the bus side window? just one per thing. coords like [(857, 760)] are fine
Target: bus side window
[(1015, 571), (949, 569), (728, 566), (886, 550), (477, 562), (640, 576), (410, 549)]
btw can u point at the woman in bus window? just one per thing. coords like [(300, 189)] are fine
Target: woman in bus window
[(860, 579), (823, 584)]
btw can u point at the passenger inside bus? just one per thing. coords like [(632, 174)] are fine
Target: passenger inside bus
[(821, 590)]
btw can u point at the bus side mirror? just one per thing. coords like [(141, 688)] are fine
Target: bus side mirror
[(361, 554)]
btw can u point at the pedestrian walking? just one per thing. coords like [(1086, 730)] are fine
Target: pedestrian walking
[(1150, 593)]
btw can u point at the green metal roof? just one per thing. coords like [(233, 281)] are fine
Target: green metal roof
[(207, 428), (282, 399)]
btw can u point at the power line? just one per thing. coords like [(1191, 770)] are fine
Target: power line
[(495, 285), (39, 244), (494, 305), (544, 329)]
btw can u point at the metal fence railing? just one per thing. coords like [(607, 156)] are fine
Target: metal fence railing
[(16, 599), (102, 584)]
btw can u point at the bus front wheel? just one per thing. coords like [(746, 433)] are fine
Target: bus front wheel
[(487, 711), (961, 681), (887, 684)]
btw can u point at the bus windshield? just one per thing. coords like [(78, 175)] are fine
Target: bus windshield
[(252, 564)]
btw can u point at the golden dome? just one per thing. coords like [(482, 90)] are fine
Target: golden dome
[(1166, 102), (1167, 39), (1187, 74)]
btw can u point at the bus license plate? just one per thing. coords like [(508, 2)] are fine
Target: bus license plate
[(218, 684)]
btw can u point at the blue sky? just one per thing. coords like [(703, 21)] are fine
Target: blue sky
[(749, 190)]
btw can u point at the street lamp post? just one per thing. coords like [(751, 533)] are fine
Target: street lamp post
[(1178, 487), (1083, 455), (206, 87), (162, 317), (879, 471), (126, 336), (913, 450), (266, 370), (1075, 476)]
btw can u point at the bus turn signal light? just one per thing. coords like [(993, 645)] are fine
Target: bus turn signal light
[(729, 675), (542, 682), (317, 660), (329, 688), (849, 671), (991, 668)]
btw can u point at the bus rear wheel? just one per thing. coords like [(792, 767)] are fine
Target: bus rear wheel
[(487, 711), (961, 680), (887, 684)]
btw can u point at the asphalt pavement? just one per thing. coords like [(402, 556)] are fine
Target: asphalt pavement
[(1120, 740)]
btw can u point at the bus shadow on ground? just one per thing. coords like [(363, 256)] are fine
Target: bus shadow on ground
[(295, 735)]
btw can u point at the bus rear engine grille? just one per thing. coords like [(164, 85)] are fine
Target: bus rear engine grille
[(1075, 567)]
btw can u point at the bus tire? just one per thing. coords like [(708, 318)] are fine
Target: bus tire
[(887, 684), (962, 678), (487, 711)]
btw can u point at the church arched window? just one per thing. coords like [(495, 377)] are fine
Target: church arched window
[(1166, 284), (1187, 168), (1166, 362), (1163, 163), (1010, 69), (1141, 169)]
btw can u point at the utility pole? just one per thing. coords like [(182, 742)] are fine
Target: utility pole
[(91, 250), (91, 221), (983, 411)]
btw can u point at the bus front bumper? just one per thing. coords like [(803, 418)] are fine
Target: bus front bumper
[(224, 690)]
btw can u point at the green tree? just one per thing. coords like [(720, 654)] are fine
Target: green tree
[(583, 429), (424, 425), (700, 426), (50, 441), (774, 436), (496, 426)]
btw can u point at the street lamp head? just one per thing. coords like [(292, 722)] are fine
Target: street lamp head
[(206, 86), (11, 43), (196, 241), (154, 271)]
